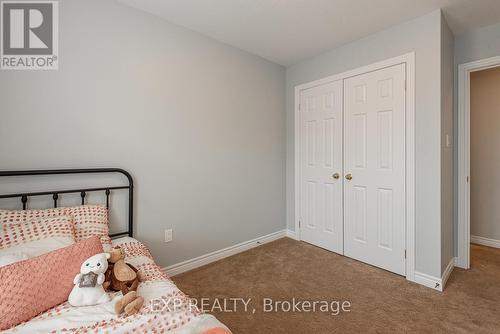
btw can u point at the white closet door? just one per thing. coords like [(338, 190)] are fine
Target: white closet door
[(374, 153), (321, 166)]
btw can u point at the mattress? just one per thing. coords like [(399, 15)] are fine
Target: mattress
[(166, 308)]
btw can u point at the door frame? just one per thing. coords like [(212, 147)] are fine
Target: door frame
[(409, 60), (463, 207)]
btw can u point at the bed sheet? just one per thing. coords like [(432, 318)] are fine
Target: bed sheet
[(166, 308)]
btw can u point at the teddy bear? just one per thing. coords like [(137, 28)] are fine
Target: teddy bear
[(121, 276), (88, 289)]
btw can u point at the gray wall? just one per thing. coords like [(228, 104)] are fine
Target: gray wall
[(421, 35), (485, 156), (474, 45), (201, 125), (447, 41), (478, 44)]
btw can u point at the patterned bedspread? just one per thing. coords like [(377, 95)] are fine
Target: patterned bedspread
[(166, 308)]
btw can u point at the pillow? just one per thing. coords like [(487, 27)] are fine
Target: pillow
[(30, 287), (89, 220), (38, 236), (8, 258)]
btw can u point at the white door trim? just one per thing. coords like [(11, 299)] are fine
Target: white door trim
[(464, 71), (409, 60)]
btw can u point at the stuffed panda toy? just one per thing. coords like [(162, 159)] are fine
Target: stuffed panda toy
[(88, 288)]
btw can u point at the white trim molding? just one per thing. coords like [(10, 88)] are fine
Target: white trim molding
[(448, 271), (409, 61), (428, 281), (464, 71), (202, 260), (436, 283), (484, 241), (292, 235)]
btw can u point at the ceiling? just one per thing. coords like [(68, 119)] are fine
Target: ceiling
[(288, 31)]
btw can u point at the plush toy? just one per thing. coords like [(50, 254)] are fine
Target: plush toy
[(88, 288), (123, 277)]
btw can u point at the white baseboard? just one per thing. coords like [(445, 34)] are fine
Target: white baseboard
[(484, 241), (448, 270), (428, 281), (199, 261), (436, 283), (292, 234)]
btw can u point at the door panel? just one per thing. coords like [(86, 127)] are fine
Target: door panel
[(374, 153), (321, 195)]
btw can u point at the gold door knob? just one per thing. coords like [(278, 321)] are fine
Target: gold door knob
[(336, 176), (348, 177)]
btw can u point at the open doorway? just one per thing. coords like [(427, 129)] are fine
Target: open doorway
[(485, 157), (478, 158)]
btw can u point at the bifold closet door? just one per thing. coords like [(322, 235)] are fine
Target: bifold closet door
[(374, 164), (321, 200)]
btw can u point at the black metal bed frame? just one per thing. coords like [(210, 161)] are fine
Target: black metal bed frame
[(55, 193)]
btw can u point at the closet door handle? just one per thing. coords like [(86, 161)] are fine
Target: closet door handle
[(336, 176), (348, 177)]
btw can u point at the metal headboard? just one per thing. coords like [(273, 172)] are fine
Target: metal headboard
[(55, 193)]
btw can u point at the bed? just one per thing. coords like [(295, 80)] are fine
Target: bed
[(166, 308)]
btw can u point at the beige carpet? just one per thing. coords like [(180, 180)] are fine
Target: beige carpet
[(381, 302)]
